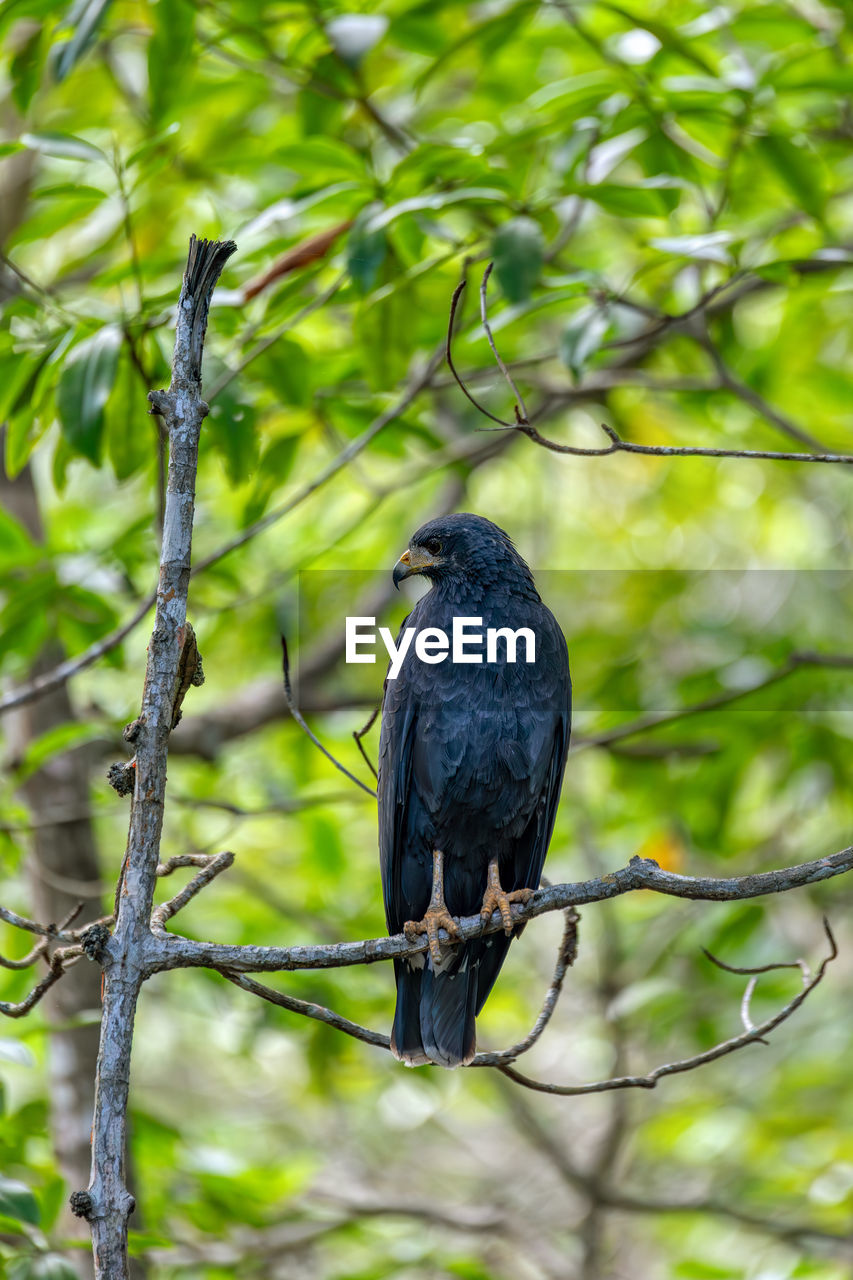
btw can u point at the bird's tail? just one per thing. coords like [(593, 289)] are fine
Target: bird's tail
[(436, 1008)]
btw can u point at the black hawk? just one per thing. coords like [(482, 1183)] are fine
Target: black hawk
[(471, 760)]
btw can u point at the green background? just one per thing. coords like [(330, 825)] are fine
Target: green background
[(667, 193)]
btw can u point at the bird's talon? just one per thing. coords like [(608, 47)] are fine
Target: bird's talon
[(433, 921), (497, 899)]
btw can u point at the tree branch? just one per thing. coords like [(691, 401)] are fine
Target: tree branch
[(752, 1035), (618, 445), (107, 1204), (60, 962), (566, 956), (656, 720), (164, 950)]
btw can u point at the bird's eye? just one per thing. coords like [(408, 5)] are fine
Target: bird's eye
[(433, 546)]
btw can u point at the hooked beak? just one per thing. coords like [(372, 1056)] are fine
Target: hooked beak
[(402, 569), (413, 560)]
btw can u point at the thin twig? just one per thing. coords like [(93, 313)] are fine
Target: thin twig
[(657, 720), (307, 1009), (71, 666), (618, 445), (300, 720), (187, 860), (521, 414), (753, 973), (566, 956), (358, 734), (61, 961), (41, 947), (448, 353), (751, 1036), (210, 869)]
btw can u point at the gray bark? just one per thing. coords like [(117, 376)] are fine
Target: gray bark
[(107, 1204)]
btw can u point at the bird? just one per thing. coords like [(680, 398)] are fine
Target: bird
[(471, 762)]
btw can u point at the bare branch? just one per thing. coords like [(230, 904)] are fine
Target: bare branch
[(61, 933), (303, 725), (60, 962), (358, 734), (726, 382), (753, 1035), (163, 950), (656, 720), (185, 860), (521, 414), (448, 352), (566, 956), (41, 948), (618, 445), (211, 867), (107, 1203), (71, 666), (307, 1009)]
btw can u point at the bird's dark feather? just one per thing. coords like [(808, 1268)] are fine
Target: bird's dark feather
[(471, 762)]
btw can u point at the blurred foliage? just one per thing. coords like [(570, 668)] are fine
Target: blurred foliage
[(666, 193)]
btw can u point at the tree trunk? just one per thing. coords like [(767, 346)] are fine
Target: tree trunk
[(63, 870)]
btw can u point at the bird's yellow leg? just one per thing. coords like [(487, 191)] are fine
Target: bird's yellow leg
[(437, 916), (497, 899)]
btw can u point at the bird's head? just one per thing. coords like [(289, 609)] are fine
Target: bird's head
[(462, 548)]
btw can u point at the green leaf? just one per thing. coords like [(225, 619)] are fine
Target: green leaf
[(16, 547), (287, 371), (710, 247), (798, 170), (25, 68), (54, 742), (582, 337), (17, 1201), (433, 203), (130, 441), (639, 201), (65, 146), (230, 429), (84, 388), (518, 250), (170, 50), (321, 159), (366, 249), (85, 17)]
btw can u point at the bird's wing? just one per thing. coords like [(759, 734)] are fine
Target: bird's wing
[(396, 742), (553, 728)]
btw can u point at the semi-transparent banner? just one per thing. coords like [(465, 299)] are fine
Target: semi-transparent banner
[(641, 642)]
